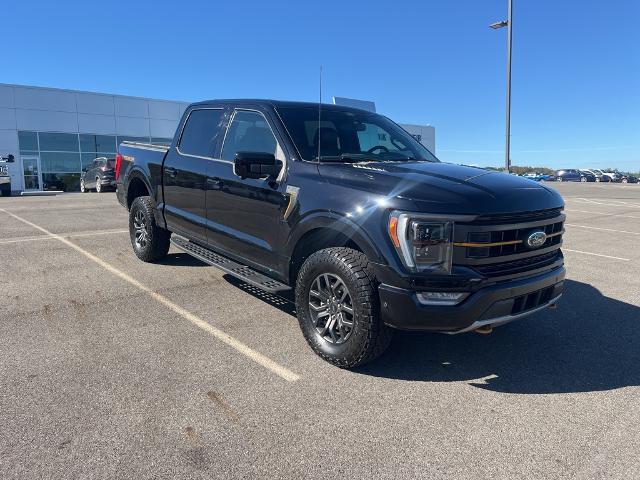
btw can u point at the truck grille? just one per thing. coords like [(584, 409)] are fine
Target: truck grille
[(507, 238), (518, 266), (496, 245)]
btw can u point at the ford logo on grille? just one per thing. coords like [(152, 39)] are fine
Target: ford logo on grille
[(536, 239)]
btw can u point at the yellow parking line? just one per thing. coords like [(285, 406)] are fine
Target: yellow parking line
[(237, 345)]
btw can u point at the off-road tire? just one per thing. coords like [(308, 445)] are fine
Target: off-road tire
[(370, 337), (158, 242)]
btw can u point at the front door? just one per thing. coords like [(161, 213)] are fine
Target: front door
[(243, 215), (31, 173)]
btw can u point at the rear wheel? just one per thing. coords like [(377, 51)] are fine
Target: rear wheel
[(338, 307), (559, 179), (583, 179), (149, 241), (624, 180)]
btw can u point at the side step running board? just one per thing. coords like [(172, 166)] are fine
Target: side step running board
[(244, 273)]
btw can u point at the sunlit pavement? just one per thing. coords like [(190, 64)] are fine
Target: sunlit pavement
[(100, 379)]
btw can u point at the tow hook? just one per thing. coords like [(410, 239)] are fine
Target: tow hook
[(484, 330)]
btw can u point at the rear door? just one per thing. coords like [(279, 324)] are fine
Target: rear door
[(185, 173), (244, 215)]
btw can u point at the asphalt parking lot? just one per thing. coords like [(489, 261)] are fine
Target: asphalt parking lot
[(112, 368)]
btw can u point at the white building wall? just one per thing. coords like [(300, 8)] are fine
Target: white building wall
[(427, 135), (69, 111)]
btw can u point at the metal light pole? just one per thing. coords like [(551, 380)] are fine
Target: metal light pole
[(507, 23)]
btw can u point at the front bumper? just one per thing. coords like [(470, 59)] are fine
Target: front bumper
[(493, 305)]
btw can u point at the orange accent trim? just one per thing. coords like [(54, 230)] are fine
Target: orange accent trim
[(393, 231)]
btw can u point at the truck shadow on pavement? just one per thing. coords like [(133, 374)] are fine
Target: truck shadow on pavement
[(590, 343), (181, 260)]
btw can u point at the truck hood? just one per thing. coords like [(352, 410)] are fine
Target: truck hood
[(443, 187)]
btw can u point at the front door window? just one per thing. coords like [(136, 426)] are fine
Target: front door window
[(31, 172)]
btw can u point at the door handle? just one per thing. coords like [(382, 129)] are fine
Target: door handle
[(172, 172), (214, 183)]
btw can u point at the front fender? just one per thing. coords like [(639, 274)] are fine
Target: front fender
[(340, 224)]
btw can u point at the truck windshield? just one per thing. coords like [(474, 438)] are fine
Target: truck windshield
[(349, 136)]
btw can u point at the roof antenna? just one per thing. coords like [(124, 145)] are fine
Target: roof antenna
[(319, 113)]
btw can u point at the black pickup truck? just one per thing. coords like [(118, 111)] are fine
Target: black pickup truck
[(344, 207)]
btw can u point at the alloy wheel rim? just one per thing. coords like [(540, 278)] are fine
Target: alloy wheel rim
[(140, 230), (82, 185), (331, 308)]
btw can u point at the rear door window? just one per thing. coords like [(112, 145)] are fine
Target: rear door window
[(200, 132)]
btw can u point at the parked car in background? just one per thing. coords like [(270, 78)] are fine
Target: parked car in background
[(600, 177), (571, 175), (5, 179), (98, 175), (628, 178), (613, 176), (548, 178), (536, 177), (587, 176)]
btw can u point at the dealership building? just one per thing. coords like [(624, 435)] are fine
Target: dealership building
[(53, 133)]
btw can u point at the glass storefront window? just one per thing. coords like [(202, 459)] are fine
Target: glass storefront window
[(67, 182), (97, 143), (87, 158), (60, 162), (28, 140), (132, 139), (161, 141), (59, 142)]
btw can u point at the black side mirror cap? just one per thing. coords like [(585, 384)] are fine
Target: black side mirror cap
[(256, 165)]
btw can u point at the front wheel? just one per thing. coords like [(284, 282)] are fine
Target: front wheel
[(98, 186), (149, 241), (583, 179), (83, 188), (559, 179), (624, 180), (339, 309)]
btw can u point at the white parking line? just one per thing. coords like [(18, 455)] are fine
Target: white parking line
[(604, 229), (250, 353), (599, 201), (596, 254), (619, 215), (65, 235)]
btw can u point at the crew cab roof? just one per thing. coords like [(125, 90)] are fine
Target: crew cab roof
[(276, 104)]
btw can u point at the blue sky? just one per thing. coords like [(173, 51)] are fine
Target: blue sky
[(576, 64)]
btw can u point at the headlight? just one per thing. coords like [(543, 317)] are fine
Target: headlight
[(424, 244)]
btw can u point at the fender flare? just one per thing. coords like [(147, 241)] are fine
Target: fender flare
[(339, 223)]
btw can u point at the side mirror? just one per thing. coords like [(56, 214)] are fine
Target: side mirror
[(11, 158), (255, 165)]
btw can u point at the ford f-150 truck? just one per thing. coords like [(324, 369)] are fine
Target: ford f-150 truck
[(366, 226)]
